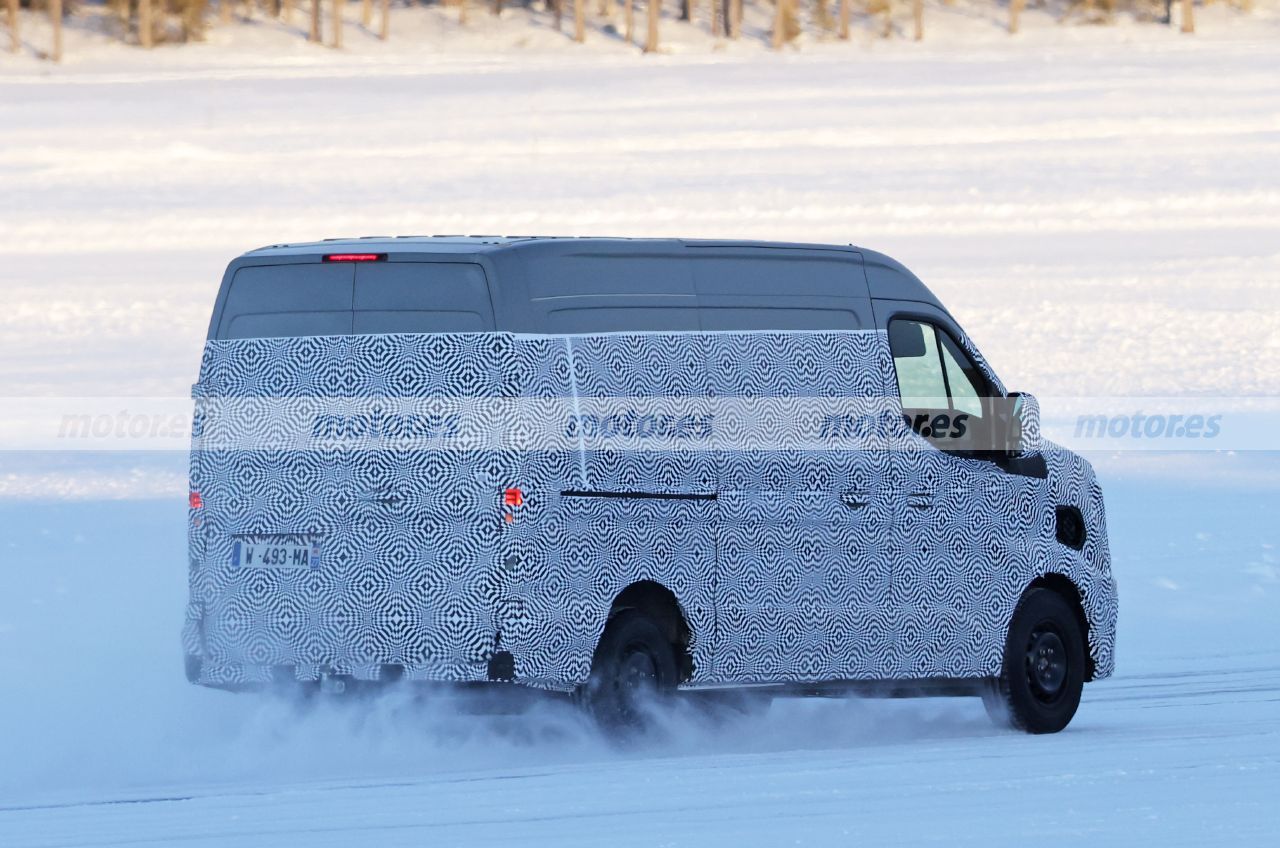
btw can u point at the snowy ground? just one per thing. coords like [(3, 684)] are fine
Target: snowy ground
[(1101, 215)]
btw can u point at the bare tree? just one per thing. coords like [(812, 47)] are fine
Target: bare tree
[(314, 33), (558, 7), (384, 29), (785, 24), (917, 14), (224, 11), (735, 18), (715, 18), (15, 40), (286, 6), (629, 19), (1015, 12), (579, 20), (1188, 17), (338, 7), (844, 18), (144, 23), (655, 17), (55, 16)]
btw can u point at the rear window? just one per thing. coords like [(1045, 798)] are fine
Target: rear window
[(317, 299)]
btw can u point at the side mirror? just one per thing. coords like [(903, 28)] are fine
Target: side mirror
[(1023, 438)]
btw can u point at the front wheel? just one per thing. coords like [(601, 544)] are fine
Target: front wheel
[(634, 669), (1042, 678)]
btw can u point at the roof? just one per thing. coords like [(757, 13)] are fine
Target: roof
[(488, 243)]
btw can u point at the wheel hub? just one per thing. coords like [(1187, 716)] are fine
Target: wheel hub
[(1046, 663)]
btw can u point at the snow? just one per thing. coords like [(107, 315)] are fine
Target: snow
[(1098, 208)]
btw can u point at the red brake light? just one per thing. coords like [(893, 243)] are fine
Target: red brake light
[(513, 497), (355, 257), (195, 501)]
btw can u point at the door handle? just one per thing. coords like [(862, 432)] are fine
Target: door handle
[(920, 500), (855, 500)]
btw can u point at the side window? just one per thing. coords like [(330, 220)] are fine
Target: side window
[(943, 393)]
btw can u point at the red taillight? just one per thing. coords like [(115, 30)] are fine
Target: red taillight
[(513, 497), (355, 257), (195, 501)]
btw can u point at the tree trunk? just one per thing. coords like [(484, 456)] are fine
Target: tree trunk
[(844, 18), (384, 30), (579, 20), (338, 6), (1188, 17), (655, 16), (715, 18), (286, 9), (888, 19), (144, 23), (314, 33), (735, 18), (629, 19), (224, 11), (15, 40), (917, 13), (55, 16), (366, 13), (558, 7), (781, 13), (1015, 12)]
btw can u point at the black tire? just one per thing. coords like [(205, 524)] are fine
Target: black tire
[(1039, 688), (634, 669)]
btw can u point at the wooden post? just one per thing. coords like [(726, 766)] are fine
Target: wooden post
[(844, 19), (144, 23), (1188, 17), (338, 6), (655, 16), (384, 30), (735, 18), (314, 33), (917, 14), (55, 15), (629, 19), (15, 40), (579, 20)]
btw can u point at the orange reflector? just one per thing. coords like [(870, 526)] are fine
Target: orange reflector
[(195, 501), (513, 497)]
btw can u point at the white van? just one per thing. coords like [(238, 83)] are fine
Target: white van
[(624, 468)]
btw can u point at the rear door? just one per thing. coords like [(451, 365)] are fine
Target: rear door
[(379, 448)]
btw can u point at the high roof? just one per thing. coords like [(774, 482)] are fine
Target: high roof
[(486, 243)]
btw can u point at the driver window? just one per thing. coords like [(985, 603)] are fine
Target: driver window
[(942, 391)]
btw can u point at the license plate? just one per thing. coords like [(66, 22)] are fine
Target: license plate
[(275, 552)]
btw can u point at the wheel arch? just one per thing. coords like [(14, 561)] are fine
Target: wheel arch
[(1066, 588), (659, 604)]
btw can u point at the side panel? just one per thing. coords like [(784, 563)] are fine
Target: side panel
[(627, 410), (803, 573)]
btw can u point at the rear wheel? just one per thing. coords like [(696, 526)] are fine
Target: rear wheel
[(1043, 673), (634, 669)]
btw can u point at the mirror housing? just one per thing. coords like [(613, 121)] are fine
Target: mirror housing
[(1022, 438)]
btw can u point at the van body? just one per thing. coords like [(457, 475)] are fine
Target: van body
[(460, 459)]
